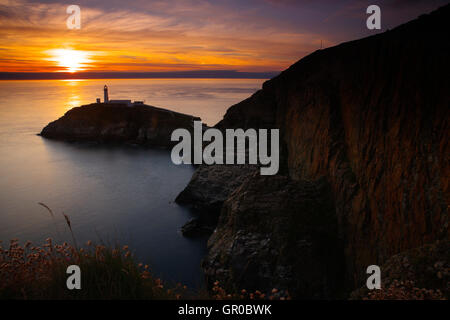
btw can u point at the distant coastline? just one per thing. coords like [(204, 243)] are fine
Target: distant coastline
[(212, 74)]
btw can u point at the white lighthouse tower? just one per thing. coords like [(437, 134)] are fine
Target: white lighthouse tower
[(105, 93)]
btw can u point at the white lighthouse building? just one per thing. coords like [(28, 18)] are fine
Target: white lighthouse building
[(105, 94)]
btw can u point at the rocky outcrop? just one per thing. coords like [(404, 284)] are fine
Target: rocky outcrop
[(372, 118), (209, 187), (277, 233), (99, 122)]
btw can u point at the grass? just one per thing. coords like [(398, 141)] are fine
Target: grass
[(28, 272), (39, 272)]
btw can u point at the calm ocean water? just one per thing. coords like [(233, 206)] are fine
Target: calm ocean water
[(112, 194)]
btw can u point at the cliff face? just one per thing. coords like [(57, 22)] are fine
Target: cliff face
[(371, 117), (140, 124)]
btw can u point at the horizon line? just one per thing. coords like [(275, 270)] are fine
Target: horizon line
[(212, 74)]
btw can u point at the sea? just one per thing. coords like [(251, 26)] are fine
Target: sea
[(115, 195)]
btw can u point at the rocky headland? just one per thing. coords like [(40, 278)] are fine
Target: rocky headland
[(118, 123), (364, 134)]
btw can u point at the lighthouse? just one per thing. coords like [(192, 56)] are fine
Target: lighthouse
[(114, 103), (105, 92)]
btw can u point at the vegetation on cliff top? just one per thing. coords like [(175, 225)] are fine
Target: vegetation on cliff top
[(31, 272)]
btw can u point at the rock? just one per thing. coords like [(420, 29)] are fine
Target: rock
[(209, 187), (274, 232), (98, 122), (197, 227)]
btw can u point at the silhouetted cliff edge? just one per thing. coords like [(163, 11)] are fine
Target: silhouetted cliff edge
[(365, 132)]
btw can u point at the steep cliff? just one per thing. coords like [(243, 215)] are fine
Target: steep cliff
[(99, 122), (371, 117)]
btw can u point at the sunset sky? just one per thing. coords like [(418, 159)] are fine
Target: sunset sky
[(157, 36)]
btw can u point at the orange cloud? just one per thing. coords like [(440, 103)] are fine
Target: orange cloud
[(125, 40)]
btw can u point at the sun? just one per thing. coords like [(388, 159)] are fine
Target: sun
[(69, 59)]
